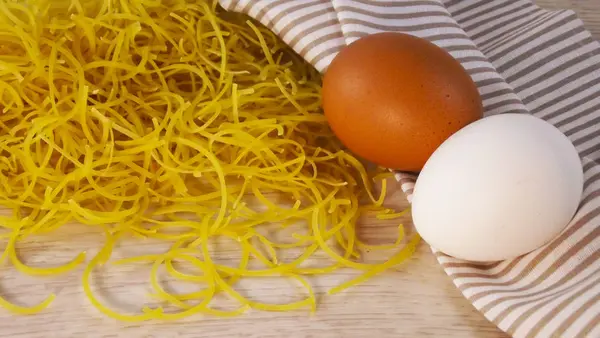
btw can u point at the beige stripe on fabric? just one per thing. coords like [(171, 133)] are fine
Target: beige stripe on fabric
[(523, 59)]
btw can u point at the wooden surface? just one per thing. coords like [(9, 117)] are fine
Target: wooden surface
[(415, 300), (588, 11)]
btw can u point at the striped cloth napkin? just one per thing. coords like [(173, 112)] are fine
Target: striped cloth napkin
[(523, 59)]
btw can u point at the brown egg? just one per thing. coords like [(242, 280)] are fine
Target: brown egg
[(393, 98)]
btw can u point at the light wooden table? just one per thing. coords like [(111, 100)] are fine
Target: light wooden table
[(414, 301)]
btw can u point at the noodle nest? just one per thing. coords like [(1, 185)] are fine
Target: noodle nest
[(177, 121)]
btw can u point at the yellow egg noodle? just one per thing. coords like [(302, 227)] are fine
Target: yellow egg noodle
[(165, 119)]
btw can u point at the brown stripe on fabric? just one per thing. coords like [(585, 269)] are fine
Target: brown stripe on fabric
[(461, 48), (451, 3), (302, 19), (483, 69), (550, 316), (496, 41), (246, 8), (596, 193), (548, 105), (587, 137), (478, 266), (494, 94), (502, 24), (236, 3), (593, 149), (292, 9), (549, 291), (329, 51), (396, 27), (232, 4), (586, 197), (500, 274), (495, 53), (593, 235), (498, 13), (467, 9), (590, 326), (294, 41), (510, 41), (471, 58), (589, 165), (504, 103), (355, 34), (542, 47), (263, 11), (321, 40), (582, 127), (556, 309), (488, 82), (559, 69), (552, 296), (396, 4), (390, 16), (572, 47), (563, 82), (567, 110), (576, 314), (538, 258)]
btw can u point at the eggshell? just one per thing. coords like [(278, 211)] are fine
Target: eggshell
[(393, 98), (497, 189)]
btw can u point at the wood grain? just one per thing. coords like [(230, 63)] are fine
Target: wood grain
[(587, 10), (414, 300)]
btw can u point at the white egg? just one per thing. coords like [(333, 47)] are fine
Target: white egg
[(499, 188)]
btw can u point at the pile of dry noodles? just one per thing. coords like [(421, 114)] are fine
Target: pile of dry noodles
[(174, 120)]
